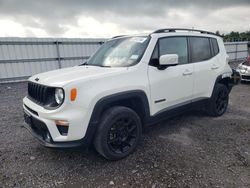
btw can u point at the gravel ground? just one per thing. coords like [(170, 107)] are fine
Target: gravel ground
[(191, 150)]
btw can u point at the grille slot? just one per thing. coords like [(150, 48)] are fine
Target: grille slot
[(33, 111), (37, 92), (245, 77)]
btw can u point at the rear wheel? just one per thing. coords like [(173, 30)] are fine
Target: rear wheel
[(218, 103), (118, 133)]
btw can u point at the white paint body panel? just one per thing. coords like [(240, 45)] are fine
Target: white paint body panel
[(170, 84)]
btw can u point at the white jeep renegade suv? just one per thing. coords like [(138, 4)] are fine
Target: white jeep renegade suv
[(131, 82)]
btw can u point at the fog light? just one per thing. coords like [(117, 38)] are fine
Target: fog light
[(62, 126), (62, 122)]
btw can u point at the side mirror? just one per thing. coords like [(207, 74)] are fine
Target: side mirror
[(169, 60)]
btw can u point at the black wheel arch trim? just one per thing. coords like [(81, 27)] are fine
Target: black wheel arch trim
[(105, 101), (226, 80), (139, 94)]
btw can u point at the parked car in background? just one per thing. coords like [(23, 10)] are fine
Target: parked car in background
[(244, 70)]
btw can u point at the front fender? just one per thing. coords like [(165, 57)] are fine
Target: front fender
[(104, 102)]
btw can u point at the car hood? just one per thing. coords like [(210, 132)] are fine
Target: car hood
[(61, 77), (244, 66)]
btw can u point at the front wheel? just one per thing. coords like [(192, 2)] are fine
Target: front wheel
[(218, 103), (118, 133)]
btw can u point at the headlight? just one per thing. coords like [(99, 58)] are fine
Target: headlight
[(59, 95)]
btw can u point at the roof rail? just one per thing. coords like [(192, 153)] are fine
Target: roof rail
[(166, 30)]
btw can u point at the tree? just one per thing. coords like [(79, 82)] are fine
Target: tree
[(236, 36)]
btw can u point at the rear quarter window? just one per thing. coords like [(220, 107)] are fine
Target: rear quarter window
[(215, 46)]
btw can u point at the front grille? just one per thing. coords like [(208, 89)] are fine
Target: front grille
[(38, 92), (245, 77)]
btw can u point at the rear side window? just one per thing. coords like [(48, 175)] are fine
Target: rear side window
[(174, 45), (215, 46), (200, 49)]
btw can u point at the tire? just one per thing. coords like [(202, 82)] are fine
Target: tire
[(118, 133), (218, 102)]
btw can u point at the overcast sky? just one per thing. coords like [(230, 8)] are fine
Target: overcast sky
[(106, 18)]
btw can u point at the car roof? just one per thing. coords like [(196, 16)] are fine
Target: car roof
[(175, 32)]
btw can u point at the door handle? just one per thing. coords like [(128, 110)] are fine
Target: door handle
[(214, 67), (187, 72)]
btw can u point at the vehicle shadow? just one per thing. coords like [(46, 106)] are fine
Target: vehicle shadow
[(169, 126)]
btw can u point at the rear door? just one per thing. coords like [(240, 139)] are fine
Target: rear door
[(173, 86), (206, 65)]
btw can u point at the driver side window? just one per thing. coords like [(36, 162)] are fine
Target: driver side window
[(170, 45)]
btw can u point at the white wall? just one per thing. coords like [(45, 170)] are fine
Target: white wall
[(236, 50), (23, 57)]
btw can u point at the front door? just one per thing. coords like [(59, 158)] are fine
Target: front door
[(173, 86)]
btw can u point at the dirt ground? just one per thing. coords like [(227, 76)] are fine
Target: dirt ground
[(192, 150)]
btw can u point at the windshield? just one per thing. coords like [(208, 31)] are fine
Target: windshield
[(120, 52)]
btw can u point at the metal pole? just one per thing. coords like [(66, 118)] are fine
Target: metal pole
[(236, 51), (58, 55)]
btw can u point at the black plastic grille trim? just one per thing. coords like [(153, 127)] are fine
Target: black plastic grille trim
[(32, 111), (37, 92), (245, 77)]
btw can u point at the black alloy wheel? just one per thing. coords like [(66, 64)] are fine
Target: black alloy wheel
[(217, 104), (222, 101), (122, 134), (118, 133)]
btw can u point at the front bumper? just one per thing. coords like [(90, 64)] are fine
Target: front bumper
[(245, 73), (40, 131), (245, 77), (41, 123)]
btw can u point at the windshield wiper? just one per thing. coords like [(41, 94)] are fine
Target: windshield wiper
[(103, 65), (85, 63)]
